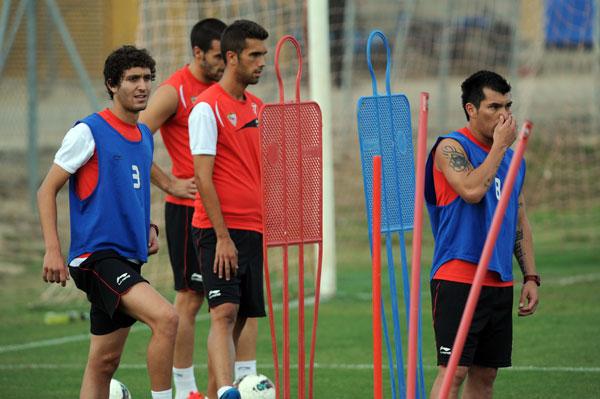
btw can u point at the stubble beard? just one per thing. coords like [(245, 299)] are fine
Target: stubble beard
[(213, 74)]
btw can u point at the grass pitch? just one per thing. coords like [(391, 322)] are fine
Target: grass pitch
[(555, 351)]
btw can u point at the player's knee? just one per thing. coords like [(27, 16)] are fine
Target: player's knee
[(459, 376), (458, 380), (484, 376), (105, 363), (224, 314), (167, 323)]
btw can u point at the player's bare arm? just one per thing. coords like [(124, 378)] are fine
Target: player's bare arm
[(226, 261), (54, 269), (161, 107), (182, 188), (525, 257), (468, 182)]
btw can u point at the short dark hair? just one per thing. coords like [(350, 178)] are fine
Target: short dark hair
[(205, 31), (472, 87), (235, 35), (122, 59)]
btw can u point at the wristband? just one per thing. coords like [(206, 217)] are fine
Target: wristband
[(532, 277)]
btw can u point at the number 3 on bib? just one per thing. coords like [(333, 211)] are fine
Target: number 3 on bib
[(136, 176), (498, 185)]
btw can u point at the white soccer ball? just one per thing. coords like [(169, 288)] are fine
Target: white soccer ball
[(253, 386), (118, 390)]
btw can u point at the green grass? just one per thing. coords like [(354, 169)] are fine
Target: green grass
[(555, 355)]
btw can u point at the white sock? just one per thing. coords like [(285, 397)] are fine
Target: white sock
[(223, 389), (185, 382), (167, 394), (243, 368)]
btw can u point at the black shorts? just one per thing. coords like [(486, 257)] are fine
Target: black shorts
[(489, 341), (245, 288), (184, 261), (104, 277)]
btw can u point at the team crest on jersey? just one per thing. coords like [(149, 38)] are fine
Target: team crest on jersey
[(255, 108), (232, 118)]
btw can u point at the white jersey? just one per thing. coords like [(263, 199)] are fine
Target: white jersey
[(202, 126), (76, 149)]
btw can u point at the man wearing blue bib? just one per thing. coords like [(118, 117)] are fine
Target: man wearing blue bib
[(106, 157), (465, 173)]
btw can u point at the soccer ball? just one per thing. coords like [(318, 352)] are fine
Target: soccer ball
[(118, 390), (253, 386)]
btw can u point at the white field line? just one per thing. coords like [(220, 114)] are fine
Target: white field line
[(46, 342), (564, 281), (581, 278), (135, 328), (332, 366)]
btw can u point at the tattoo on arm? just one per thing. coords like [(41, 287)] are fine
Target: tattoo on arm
[(519, 252), (458, 160)]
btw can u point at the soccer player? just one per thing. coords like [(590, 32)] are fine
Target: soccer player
[(168, 110), (227, 221), (465, 174), (106, 157)]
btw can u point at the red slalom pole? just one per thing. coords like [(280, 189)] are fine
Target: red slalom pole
[(286, 324), (271, 319), (376, 264), (488, 248), (415, 283)]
